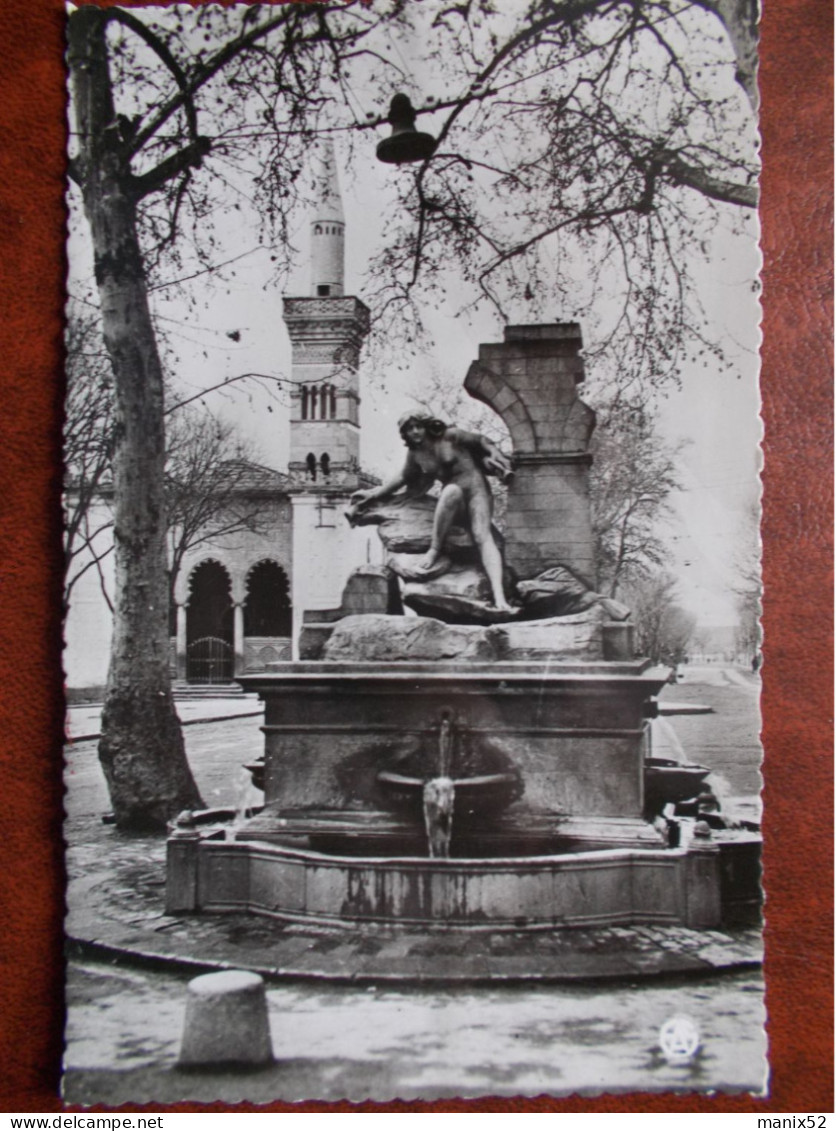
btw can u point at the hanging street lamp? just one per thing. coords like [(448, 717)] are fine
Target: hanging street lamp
[(405, 143)]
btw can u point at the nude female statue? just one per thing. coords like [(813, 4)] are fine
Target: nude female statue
[(461, 461)]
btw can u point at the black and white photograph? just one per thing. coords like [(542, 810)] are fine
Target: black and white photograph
[(412, 556)]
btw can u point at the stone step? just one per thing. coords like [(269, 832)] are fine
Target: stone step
[(208, 691)]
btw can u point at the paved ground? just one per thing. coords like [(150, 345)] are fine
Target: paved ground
[(726, 741), (591, 1020), (333, 1042), (83, 719)]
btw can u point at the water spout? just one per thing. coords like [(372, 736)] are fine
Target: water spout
[(246, 799), (439, 792), (445, 746), (439, 796)]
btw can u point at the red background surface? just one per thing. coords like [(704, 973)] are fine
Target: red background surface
[(796, 81)]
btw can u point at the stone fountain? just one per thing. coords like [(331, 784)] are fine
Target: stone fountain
[(431, 762)]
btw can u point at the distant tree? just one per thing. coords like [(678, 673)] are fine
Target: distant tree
[(748, 590), (700, 641), (88, 451), (207, 472), (663, 630), (443, 394), (137, 81), (632, 477), (749, 634)]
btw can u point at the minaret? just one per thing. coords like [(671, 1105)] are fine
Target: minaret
[(327, 330), (328, 230)]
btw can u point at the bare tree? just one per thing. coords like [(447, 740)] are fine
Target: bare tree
[(88, 451), (748, 635), (208, 481), (748, 591), (633, 475), (136, 148), (443, 395), (663, 629)]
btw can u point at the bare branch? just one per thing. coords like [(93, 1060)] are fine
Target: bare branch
[(680, 172), (128, 20), (209, 69), (189, 158)]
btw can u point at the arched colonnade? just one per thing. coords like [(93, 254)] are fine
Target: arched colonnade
[(230, 619)]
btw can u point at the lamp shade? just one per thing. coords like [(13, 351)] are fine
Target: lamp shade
[(405, 144)]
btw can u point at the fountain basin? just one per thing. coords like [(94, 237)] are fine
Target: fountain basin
[(653, 886), (668, 781), (555, 835)]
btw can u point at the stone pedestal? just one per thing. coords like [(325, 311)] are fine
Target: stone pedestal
[(572, 735)]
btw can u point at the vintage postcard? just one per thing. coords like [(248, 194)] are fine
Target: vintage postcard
[(412, 554)]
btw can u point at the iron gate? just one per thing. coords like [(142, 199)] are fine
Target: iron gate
[(210, 660)]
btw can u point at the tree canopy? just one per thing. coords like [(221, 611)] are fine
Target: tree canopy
[(587, 150)]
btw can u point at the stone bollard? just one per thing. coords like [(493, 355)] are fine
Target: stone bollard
[(226, 1022)]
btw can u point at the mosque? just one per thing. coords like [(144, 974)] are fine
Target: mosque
[(239, 601)]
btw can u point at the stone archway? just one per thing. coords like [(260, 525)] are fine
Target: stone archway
[(210, 655), (268, 615), (267, 610)]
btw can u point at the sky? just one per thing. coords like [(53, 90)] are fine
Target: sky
[(713, 416)]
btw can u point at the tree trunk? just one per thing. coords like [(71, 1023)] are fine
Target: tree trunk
[(141, 748)]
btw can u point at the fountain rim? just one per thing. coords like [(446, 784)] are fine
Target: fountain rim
[(519, 672), (472, 863)]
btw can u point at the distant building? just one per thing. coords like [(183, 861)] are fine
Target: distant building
[(239, 599)]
